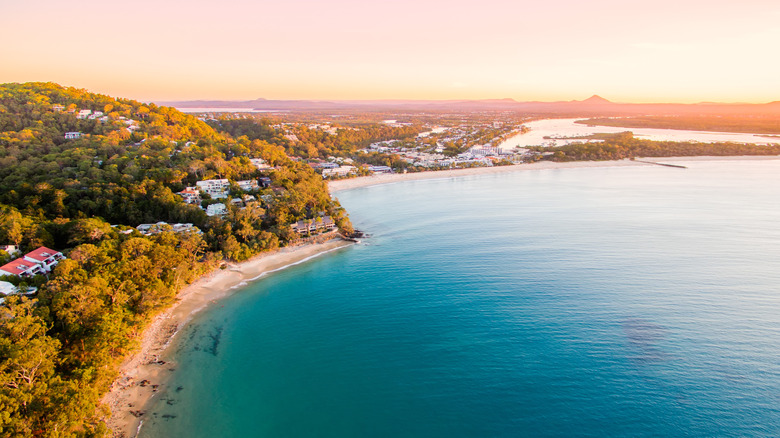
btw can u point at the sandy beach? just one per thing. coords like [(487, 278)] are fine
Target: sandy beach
[(146, 372), (366, 181)]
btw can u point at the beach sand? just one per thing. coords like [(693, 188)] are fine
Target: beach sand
[(146, 372), (366, 181)]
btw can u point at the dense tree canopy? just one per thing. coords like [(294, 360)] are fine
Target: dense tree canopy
[(59, 349)]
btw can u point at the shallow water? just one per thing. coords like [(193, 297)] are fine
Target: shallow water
[(641, 301), (567, 128)]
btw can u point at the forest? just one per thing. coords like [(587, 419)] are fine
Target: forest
[(624, 145), (60, 349), (751, 124)]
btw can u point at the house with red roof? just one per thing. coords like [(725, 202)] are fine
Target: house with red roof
[(21, 268), (40, 261)]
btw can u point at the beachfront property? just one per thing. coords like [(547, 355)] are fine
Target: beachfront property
[(310, 226), (216, 209), (248, 185), (340, 171), (39, 261), (73, 135), (380, 169), (216, 188)]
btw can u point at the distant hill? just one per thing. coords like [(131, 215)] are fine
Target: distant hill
[(592, 106)]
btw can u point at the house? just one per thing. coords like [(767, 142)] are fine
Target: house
[(309, 226), (159, 227), (57, 107), (216, 188), (264, 181), (380, 169), (248, 185), (40, 261), (259, 163), (83, 114), (72, 135), (216, 210), (7, 288), (48, 258), (21, 268), (339, 171), (191, 195), (10, 249)]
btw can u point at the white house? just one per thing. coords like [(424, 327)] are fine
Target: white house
[(48, 258), (72, 135), (259, 163), (40, 261), (191, 195), (216, 210), (7, 288), (10, 249), (22, 268), (216, 188), (83, 114), (339, 171), (248, 185)]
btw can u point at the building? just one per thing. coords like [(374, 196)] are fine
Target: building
[(45, 256), (10, 249), (380, 169), (21, 268), (248, 185), (72, 135), (310, 226), (216, 210), (57, 107), (339, 171), (264, 181), (191, 195), (259, 163), (216, 188), (159, 227), (40, 261), (7, 288), (83, 114)]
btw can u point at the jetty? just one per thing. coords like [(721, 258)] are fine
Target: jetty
[(661, 164)]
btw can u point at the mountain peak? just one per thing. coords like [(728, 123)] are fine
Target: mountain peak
[(596, 99)]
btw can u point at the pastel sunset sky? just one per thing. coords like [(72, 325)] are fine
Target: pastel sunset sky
[(626, 51)]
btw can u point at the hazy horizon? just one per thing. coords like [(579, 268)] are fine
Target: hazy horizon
[(668, 52)]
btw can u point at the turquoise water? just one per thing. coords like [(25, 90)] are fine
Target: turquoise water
[(579, 302)]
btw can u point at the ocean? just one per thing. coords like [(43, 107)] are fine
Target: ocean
[(626, 301)]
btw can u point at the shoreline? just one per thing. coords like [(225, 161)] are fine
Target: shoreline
[(146, 371), (389, 178)]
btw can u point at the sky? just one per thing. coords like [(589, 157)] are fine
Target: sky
[(626, 51)]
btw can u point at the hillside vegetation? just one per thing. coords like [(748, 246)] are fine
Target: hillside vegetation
[(60, 349)]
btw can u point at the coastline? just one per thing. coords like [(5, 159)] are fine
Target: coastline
[(389, 178), (146, 371)]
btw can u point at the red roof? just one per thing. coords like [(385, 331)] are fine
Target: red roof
[(17, 266), (41, 254)]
